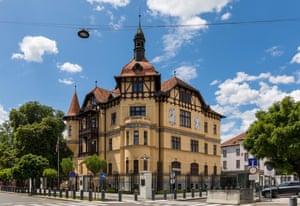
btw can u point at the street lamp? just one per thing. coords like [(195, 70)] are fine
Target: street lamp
[(83, 33)]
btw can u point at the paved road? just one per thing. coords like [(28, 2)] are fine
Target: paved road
[(17, 199)]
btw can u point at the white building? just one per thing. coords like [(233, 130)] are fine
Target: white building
[(234, 157)]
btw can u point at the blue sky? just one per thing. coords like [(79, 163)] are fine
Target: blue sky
[(241, 55)]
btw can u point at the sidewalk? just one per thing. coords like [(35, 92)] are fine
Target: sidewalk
[(284, 201)]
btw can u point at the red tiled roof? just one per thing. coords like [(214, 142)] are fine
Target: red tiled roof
[(101, 94), (171, 83), (147, 68), (74, 106), (235, 140)]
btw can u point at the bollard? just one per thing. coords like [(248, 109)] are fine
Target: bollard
[(60, 193), (81, 194), (153, 194), (49, 192), (165, 194), (193, 192), (120, 196), (184, 194), (200, 192), (175, 194), (90, 195), (67, 193), (293, 201), (102, 195), (135, 195), (54, 192)]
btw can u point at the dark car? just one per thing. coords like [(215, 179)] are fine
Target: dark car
[(285, 188)]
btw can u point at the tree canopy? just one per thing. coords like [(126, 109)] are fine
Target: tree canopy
[(94, 164), (275, 135), (30, 166), (36, 129)]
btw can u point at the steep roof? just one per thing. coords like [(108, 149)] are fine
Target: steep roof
[(138, 68), (235, 140), (173, 82), (74, 106)]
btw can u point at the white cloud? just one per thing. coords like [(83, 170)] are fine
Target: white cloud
[(34, 47), (226, 16), (284, 79), (186, 73), (69, 67), (67, 81), (296, 57), (3, 115), (241, 97), (118, 24), (274, 51), (183, 13), (114, 3), (227, 127), (214, 82)]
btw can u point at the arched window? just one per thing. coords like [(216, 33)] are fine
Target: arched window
[(194, 169), (176, 167)]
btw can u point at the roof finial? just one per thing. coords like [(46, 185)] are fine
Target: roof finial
[(75, 86), (174, 73), (96, 82), (140, 18)]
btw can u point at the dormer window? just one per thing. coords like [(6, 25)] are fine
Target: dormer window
[(185, 96), (137, 68)]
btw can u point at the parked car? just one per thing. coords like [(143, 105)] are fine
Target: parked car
[(285, 188)]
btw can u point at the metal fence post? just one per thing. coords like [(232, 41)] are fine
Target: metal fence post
[(102, 195), (81, 194), (120, 196), (165, 194)]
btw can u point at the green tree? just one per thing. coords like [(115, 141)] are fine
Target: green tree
[(30, 166), (5, 175), (50, 173), (94, 164), (7, 150), (36, 129), (275, 135), (67, 165)]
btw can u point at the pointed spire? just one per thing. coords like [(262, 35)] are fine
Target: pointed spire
[(139, 43), (74, 107)]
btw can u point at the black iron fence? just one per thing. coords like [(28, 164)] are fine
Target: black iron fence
[(129, 184)]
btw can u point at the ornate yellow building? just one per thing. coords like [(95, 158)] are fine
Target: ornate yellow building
[(145, 124)]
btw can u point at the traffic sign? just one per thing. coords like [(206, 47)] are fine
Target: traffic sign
[(253, 170), (172, 181), (252, 162), (102, 175), (72, 174), (269, 168)]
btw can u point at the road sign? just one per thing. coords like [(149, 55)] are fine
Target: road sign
[(252, 162), (102, 175), (269, 168), (72, 174), (253, 170), (254, 177), (172, 181)]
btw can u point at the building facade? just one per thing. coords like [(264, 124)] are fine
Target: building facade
[(145, 124), (235, 158)]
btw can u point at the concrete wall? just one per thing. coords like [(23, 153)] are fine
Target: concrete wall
[(235, 197)]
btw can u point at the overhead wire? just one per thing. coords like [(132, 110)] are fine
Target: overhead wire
[(129, 27)]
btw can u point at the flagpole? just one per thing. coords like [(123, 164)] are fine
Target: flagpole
[(57, 148)]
